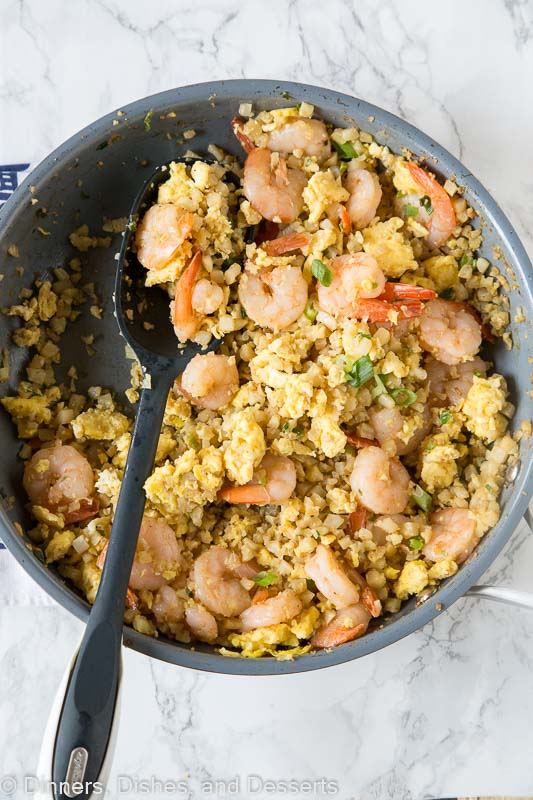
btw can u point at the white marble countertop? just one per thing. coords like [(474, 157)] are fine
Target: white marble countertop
[(447, 711)]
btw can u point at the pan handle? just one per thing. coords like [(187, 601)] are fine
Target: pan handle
[(500, 594)]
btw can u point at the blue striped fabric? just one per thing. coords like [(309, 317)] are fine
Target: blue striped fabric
[(9, 180)]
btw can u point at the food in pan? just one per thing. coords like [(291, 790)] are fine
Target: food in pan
[(343, 450)]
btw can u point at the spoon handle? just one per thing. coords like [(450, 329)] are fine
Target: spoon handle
[(86, 717)]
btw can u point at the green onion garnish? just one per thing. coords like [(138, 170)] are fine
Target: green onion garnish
[(445, 417), (416, 543), (447, 294), (321, 272), (403, 397), (359, 372), (148, 120), (466, 258), (410, 210), (425, 202), (422, 499), (345, 151), (265, 578), (310, 312)]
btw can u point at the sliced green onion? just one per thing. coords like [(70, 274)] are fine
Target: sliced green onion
[(425, 202), (410, 210), (380, 387), (447, 294), (445, 417), (297, 431), (416, 543), (466, 258), (422, 499), (350, 450), (310, 312), (285, 427), (311, 585), (478, 374), (321, 272), (400, 194), (345, 151), (285, 94), (360, 372), (360, 335), (148, 120), (243, 313), (403, 397), (265, 578)]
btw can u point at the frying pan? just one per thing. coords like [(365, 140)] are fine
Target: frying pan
[(96, 174)]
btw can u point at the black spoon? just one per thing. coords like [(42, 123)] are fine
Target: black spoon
[(81, 740)]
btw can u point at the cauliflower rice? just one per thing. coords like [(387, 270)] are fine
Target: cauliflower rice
[(316, 391)]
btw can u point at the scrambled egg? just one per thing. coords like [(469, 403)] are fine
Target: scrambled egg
[(389, 247), (439, 462), (483, 406), (28, 414), (323, 189), (413, 578), (100, 424), (185, 486), (443, 271), (245, 446), (265, 641)]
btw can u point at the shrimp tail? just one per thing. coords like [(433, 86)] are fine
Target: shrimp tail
[(333, 635), (376, 310), (252, 493), (359, 441), (406, 291), (371, 602), (244, 140), (183, 316), (286, 244), (357, 519), (86, 509), (345, 220)]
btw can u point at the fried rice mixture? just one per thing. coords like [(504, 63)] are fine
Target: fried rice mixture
[(345, 447)]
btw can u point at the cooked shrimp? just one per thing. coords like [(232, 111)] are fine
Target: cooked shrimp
[(274, 482), (61, 479), (448, 385), (160, 234), (286, 243), (330, 577), (158, 558), (167, 606), (453, 535), (310, 136), (365, 195), (245, 141), (380, 483), (217, 584), (273, 189), (437, 215), (274, 298), (281, 608), (207, 297), (388, 424), (449, 332), (358, 289), (186, 321), (201, 623), (348, 624), (210, 381), (354, 277)]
